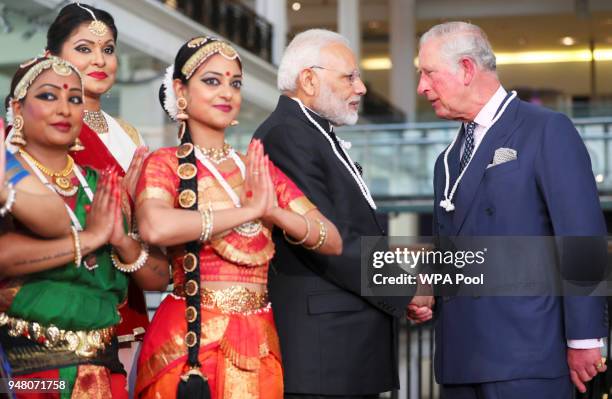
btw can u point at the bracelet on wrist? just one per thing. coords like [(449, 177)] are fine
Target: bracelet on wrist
[(207, 224), (10, 200), (136, 265), (78, 255), (322, 237), (303, 240)]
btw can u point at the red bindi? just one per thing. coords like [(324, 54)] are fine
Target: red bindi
[(65, 86), (227, 74)]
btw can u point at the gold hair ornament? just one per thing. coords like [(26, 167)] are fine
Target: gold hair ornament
[(204, 52), (96, 27), (59, 66)]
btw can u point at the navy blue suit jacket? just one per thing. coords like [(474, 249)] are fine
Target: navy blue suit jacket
[(548, 190)]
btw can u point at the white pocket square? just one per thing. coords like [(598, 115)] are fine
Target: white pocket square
[(503, 155)]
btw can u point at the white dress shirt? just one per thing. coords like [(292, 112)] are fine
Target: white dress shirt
[(485, 117)]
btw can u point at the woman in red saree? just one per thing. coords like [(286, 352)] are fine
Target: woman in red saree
[(215, 209), (86, 37)]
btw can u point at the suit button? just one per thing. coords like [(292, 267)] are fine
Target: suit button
[(489, 211)]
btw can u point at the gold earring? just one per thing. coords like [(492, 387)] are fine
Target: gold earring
[(234, 123), (77, 146), (181, 104), (18, 138)]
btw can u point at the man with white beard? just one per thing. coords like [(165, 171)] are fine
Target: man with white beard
[(334, 341)]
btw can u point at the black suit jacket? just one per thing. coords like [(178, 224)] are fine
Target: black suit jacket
[(333, 340)]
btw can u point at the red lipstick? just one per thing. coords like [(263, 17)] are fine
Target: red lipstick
[(63, 127), (223, 107), (98, 75)]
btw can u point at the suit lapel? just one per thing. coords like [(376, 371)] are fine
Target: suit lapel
[(493, 139), (287, 105)]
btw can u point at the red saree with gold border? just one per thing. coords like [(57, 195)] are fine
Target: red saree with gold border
[(239, 353)]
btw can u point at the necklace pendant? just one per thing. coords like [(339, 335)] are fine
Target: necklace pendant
[(249, 229), (62, 182), (65, 193), (218, 161), (64, 186), (217, 155)]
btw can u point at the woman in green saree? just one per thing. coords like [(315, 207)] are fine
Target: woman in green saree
[(59, 298)]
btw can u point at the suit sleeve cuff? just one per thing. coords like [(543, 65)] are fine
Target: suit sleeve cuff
[(585, 343)]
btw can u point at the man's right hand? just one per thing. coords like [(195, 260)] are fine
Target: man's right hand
[(419, 310)]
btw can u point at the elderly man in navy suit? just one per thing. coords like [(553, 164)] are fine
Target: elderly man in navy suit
[(514, 169)]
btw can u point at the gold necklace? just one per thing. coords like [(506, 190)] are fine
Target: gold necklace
[(216, 155), (61, 182), (96, 121)]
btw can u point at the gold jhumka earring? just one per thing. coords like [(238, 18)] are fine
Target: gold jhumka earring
[(18, 138), (77, 145), (182, 116)]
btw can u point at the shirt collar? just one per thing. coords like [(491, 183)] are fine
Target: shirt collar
[(330, 126), (487, 113)]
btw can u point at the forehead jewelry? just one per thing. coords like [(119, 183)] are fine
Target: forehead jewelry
[(96, 26), (59, 66), (206, 47)]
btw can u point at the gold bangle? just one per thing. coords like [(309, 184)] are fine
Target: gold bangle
[(78, 256), (322, 237), (210, 221), (140, 261), (207, 224), (204, 224), (303, 240)]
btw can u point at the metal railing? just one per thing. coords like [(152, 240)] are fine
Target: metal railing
[(398, 159)]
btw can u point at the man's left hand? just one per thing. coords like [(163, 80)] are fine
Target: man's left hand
[(584, 364)]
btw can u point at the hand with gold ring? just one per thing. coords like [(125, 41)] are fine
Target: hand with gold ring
[(584, 364)]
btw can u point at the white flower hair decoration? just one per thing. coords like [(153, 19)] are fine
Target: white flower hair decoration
[(169, 95), (9, 115)]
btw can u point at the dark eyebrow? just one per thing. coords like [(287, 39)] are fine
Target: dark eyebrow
[(92, 42), (57, 87), (220, 74), (50, 85)]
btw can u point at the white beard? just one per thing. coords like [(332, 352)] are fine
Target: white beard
[(329, 106)]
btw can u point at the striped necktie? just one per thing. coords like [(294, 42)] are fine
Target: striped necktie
[(469, 145)]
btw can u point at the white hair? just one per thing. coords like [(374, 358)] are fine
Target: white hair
[(303, 52), (462, 39)]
